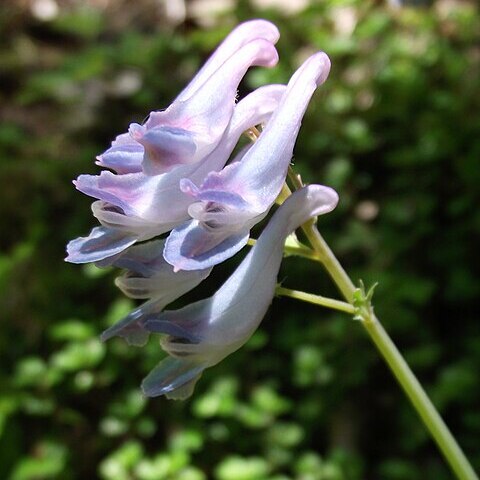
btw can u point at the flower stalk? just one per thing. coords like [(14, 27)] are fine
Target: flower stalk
[(359, 305), (419, 399), (360, 302), (316, 300)]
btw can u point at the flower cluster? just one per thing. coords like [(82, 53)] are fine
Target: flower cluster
[(174, 173)]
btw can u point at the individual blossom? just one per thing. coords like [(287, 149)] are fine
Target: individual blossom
[(135, 203), (228, 203), (203, 333), (148, 276)]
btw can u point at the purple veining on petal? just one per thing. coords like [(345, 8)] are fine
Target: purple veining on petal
[(165, 147), (193, 247), (101, 243), (124, 156)]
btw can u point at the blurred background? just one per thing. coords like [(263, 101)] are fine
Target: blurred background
[(396, 130)]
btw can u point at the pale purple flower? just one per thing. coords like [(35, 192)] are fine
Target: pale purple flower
[(191, 138), (174, 173), (228, 203), (194, 123), (203, 333), (148, 276)]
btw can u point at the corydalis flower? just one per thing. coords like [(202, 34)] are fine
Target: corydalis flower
[(170, 174), (201, 334), (148, 276), (228, 203), (191, 138), (194, 123), (134, 206)]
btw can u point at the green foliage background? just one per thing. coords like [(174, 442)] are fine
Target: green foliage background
[(396, 130)]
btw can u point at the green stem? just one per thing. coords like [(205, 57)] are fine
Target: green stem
[(316, 300), (390, 353), (422, 404), (324, 254), (399, 367), (329, 261), (299, 251)]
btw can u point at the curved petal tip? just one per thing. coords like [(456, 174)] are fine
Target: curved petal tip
[(173, 377)]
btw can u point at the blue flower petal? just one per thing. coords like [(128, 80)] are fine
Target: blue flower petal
[(169, 375), (103, 242), (192, 247)]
